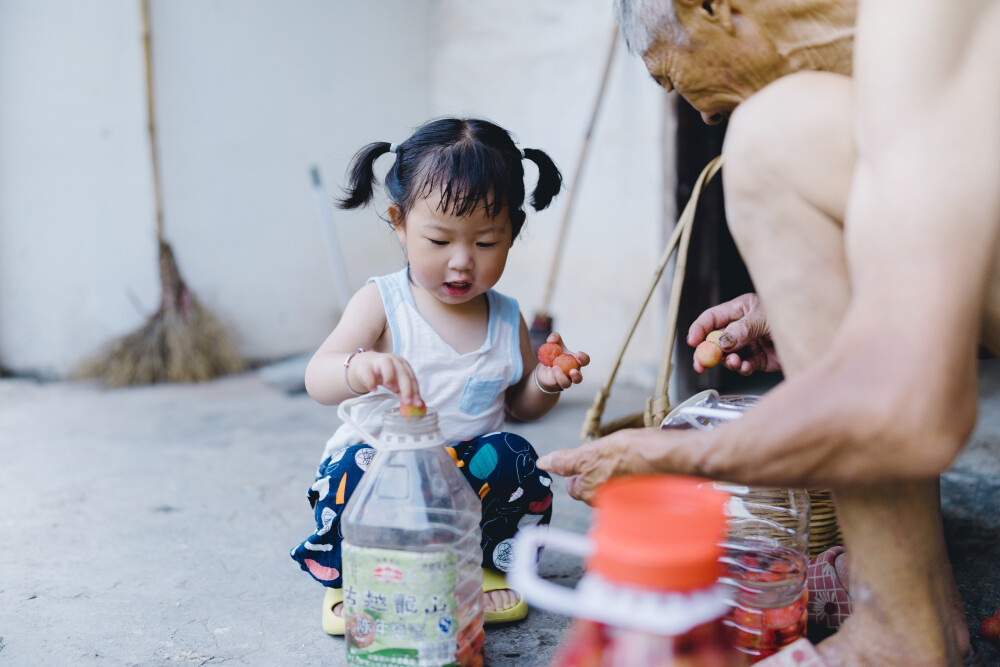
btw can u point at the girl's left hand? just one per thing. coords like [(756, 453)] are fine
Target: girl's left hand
[(561, 375)]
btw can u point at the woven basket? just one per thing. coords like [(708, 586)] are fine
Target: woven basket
[(824, 531)]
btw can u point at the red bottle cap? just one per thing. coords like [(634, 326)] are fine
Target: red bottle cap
[(658, 531)]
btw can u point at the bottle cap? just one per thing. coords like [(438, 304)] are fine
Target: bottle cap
[(403, 432), (659, 532)]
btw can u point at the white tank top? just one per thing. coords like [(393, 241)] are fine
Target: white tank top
[(466, 390)]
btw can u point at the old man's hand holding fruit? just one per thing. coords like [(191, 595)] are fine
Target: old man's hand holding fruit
[(736, 334)]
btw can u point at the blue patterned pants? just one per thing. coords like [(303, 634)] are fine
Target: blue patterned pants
[(500, 467)]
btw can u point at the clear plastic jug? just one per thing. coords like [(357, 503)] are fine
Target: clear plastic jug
[(412, 562), (766, 546)]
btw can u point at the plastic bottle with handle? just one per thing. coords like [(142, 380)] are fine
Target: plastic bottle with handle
[(412, 562), (650, 595)]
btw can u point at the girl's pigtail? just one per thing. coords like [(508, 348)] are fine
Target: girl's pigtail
[(549, 178), (362, 176)]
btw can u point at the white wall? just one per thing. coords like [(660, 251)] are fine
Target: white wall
[(250, 94), (75, 193)]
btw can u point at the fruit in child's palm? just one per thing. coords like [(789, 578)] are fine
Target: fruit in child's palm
[(567, 363), (412, 410), (548, 353), (708, 354)]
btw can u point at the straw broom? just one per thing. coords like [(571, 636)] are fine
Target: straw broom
[(182, 341)]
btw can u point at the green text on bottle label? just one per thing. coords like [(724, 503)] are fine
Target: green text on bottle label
[(399, 607)]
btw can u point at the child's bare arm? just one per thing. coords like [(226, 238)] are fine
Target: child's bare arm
[(540, 385), (362, 325)]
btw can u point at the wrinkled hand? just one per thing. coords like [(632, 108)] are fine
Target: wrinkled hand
[(552, 376), (369, 369), (746, 341), (589, 465)]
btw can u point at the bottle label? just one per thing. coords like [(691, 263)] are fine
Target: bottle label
[(399, 607)]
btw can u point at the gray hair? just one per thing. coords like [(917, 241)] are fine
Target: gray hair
[(641, 21)]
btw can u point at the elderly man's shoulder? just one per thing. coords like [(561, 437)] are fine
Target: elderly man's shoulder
[(780, 105)]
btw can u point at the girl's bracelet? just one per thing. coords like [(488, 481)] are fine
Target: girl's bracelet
[(538, 384), (347, 362)]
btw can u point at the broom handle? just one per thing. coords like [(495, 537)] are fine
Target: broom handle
[(564, 224), (148, 56)]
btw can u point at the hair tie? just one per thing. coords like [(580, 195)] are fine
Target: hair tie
[(393, 148), (522, 152)]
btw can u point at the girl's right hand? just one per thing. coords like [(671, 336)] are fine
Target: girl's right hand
[(370, 369), (746, 339)]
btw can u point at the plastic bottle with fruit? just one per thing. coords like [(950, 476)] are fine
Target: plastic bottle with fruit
[(766, 547), (412, 562), (649, 597)]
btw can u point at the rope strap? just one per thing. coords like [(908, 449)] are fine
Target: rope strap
[(658, 406)]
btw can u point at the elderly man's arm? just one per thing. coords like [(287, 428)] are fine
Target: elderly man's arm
[(864, 414), (923, 220)]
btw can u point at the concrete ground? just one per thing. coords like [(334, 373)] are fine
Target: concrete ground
[(151, 526)]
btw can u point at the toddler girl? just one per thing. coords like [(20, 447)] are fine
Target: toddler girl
[(437, 332)]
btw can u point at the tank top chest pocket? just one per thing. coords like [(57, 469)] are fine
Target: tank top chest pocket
[(479, 395)]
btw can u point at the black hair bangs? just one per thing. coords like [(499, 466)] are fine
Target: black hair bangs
[(468, 175)]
